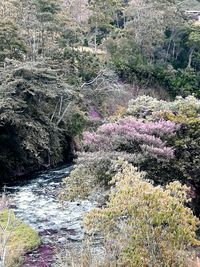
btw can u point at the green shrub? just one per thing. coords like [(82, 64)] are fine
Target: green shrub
[(20, 238), (92, 170), (186, 143), (79, 185), (185, 165), (145, 225), (148, 107)]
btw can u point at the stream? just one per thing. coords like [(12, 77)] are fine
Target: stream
[(36, 202)]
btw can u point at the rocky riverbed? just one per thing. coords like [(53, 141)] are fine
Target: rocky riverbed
[(59, 224)]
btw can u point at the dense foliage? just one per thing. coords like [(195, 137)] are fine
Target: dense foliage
[(160, 137), (67, 72), (133, 136), (34, 132), (185, 112), (148, 43), (145, 225)]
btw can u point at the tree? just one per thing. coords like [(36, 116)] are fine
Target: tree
[(8, 10), (146, 22), (11, 45), (104, 13), (47, 11), (77, 13), (193, 42)]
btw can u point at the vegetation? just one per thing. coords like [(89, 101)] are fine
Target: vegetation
[(145, 225), (33, 134), (119, 81), (160, 138), (16, 238)]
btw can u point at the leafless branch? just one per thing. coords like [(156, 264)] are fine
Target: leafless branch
[(94, 80), (68, 108), (61, 102), (54, 113)]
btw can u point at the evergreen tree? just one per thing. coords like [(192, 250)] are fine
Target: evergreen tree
[(11, 46)]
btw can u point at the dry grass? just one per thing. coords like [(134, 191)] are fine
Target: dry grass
[(84, 257)]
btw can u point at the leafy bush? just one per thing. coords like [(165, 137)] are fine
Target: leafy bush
[(131, 139), (16, 238), (147, 107), (185, 164), (145, 225), (92, 170), (79, 185), (162, 139), (144, 106)]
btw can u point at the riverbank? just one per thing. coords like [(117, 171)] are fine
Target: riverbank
[(59, 225)]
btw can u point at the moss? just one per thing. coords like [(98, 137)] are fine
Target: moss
[(22, 238)]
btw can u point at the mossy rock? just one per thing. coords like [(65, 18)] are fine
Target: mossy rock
[(22, 238)]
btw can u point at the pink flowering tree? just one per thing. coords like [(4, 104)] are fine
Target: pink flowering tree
[(133, 136)]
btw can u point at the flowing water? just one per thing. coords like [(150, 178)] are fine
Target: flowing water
[(36, 202)]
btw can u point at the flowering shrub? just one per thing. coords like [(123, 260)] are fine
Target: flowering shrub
[(145, 225), (185, 166), (133, 140), (132, 135), (164, 143)]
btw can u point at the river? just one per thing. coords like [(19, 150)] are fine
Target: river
[(36, 202)]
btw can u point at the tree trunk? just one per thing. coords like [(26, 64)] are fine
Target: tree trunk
[(95, 39), (190, 58)]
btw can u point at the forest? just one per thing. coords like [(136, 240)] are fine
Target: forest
[(99, 133)]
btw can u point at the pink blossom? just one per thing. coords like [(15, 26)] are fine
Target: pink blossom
[(135, 134), (94, 113)]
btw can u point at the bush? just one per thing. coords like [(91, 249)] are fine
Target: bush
[(145, 225), (131, 139), (185, 167), (144, 106), (147, 107), (92, 170), (161, 139), (16, 238), (78, 185), (133, 136), (185, 164)]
